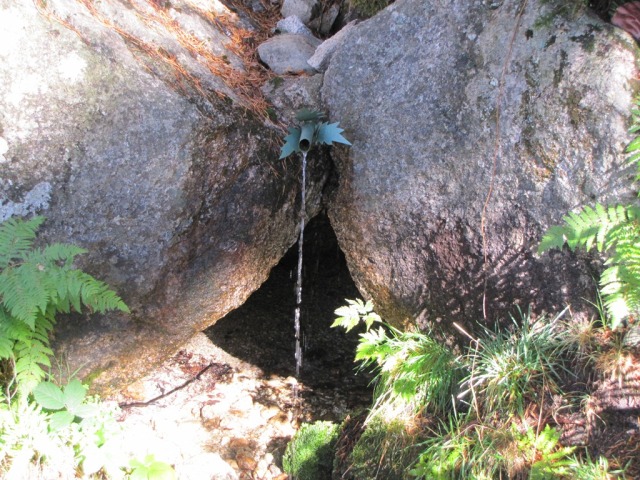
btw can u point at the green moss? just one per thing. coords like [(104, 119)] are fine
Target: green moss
[(587, 40), (309, 454), (567, 9), (386, 449), (368, 8), (559, 73), (576, 113), (276, 82)]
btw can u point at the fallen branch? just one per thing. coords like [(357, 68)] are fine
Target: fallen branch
[(179, 387)]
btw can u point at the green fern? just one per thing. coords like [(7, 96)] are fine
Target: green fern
[(614, 230), (35, 285)]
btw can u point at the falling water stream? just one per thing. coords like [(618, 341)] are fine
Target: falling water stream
[(296, 318)]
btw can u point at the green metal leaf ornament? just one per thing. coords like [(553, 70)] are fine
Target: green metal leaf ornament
[(291, 143), (312, 131), (328, 133)]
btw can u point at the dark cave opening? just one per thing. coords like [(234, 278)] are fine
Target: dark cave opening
[(261, 331)]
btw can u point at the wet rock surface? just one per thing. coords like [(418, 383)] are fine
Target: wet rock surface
[(265, 325)]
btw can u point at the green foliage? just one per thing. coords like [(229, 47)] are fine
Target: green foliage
[(64, 431), (589, 469), (502, 371), (509, 369), (353, 313), (547, 458), (67, 404), (414, 370), (151, 469), (312, 131), (309, 454), (368, 8), (48, 431), (35, 285), (614, 230), (386, 449), (465, 448), (461, 449)]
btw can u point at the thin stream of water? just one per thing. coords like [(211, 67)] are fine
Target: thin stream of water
[(296, 320)]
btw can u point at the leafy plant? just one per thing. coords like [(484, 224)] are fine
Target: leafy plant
[(47, 431), (467, 448), (67, 403), (35, 285), (614, 230), (414, 370), (462, 448), (387, 448), (309, 454), (151, 469), (589, 469), (312, 131), (547, 458)]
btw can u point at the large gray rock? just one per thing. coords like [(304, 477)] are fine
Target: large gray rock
[(288, 53), (176, 193), (293, 25), (417, 88), (306, 10), (291, 94), (322, 56)]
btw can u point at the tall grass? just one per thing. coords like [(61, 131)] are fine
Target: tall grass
[(510, 368)]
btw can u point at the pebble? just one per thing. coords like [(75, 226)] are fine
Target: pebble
[(245, 462)]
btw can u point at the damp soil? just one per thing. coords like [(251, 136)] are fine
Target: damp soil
[(261, 332)]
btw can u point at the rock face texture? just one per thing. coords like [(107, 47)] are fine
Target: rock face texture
[(433, 183), (288, 53), (174, 190)]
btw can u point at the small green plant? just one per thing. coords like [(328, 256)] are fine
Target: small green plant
[(501, 371), (151, 469), (48, 431), (513, 368), (588, 469), (467, 448), (414, 370), (462, 447), (547, 458), (309, 454), (35, 285), (387, 448), (67, 403), (312, 131), (614, 230)]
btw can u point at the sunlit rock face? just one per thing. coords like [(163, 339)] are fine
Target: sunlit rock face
[(147, 155), (457, 168)]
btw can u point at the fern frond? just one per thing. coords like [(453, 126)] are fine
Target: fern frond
[(620, 286), (35, 285), (26, 291), (6, 341), (16, 238), (96, 294), (589, 227), (62, 252), (29, 362)]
